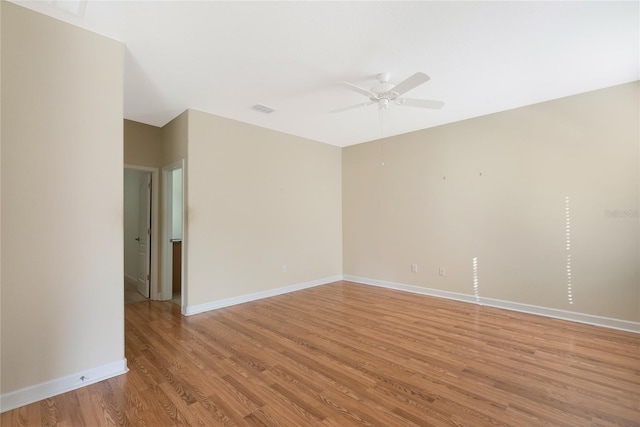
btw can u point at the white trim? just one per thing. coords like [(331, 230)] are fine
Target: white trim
[(35, 393), (214, 305), (155, 235), (185, 232), (167, 189), (165, 249), (590, 319)]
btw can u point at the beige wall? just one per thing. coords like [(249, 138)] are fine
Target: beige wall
[(62, 195), (258, 199), (174, 140), (494, 188), (142, 144)]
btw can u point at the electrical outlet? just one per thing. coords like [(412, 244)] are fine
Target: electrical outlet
[(441, 271), (284, 268), (414, 268)]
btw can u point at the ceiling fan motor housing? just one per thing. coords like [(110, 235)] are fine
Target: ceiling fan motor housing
[(384, 95), (383, 91)]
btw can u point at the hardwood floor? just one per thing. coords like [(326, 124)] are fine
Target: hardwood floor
[(346, 354)]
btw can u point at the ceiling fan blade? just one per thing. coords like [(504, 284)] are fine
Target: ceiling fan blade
[(351, 107), (421, 103), (409, 83), (359, 89)]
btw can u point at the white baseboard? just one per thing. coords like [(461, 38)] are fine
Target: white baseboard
[(27, 395), (133, 280), (623, 325), (213, 305)]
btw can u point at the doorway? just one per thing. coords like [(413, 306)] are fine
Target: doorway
[(174, 229), (140, 229)]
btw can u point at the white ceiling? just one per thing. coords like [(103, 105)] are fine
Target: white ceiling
[(482, 57)]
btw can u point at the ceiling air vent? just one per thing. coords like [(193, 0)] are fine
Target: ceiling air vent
[(263, 108)]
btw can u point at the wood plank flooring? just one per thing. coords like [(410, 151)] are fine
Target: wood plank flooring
[(349, 355)]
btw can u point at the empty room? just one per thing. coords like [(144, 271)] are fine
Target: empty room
[(319, 213)]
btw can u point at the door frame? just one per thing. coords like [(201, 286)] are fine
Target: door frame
[(144, 233), (153, 252), (167, 216)]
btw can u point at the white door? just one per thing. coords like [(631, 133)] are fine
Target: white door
[(144, 234)]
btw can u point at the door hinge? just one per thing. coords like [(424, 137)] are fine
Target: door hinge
[(148, 231), (148, 277)]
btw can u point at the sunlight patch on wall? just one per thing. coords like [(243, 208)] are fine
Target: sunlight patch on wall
[(567, 231), (476, 283)]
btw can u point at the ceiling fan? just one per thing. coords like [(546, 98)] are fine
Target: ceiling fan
[(385, 93)]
